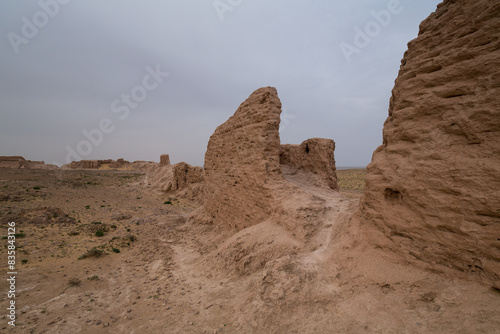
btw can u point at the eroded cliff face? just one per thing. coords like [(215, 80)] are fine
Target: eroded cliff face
[(433, 187), (241, 162)]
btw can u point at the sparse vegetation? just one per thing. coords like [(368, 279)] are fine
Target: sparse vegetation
[(116, 250), (168, 202), (94, 277), (93, 252), (74, 282)]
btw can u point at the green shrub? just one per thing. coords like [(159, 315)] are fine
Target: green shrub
[(74, 282)]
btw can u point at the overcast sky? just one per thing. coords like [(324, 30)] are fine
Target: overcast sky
[(100, 67)]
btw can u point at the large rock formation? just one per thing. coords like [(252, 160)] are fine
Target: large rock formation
[(242, 161), (433, 187), (314, 155)]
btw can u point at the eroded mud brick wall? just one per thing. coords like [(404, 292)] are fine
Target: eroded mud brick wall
[(433, 187)]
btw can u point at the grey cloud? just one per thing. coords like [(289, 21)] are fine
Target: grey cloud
[(65, 79)]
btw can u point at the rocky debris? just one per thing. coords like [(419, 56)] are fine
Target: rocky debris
[(433, 187), (242, 162), (164, 160), (313, 155)]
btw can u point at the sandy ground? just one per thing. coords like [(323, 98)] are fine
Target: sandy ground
[(156, 274)]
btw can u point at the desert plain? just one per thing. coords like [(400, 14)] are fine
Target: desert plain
[(269, 237)]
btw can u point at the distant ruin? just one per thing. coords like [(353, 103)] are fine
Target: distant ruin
[(97, 164), (17, 162)]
